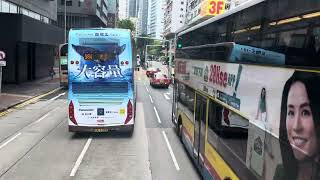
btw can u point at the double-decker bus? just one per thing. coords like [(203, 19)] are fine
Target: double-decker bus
[(246, 94), (63, 68), (101, 83)]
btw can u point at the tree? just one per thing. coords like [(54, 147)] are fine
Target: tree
[(126, 24)]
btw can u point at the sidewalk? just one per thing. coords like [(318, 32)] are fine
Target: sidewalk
[(13, 94)]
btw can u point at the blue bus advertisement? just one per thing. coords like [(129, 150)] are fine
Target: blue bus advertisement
[(100, 73)]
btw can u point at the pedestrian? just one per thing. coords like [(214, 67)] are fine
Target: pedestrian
[(51, 72)]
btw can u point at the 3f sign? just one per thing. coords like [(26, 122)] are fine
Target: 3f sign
[(216, 7)]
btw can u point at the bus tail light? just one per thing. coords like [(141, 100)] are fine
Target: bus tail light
[(71, 113), (129, 112)]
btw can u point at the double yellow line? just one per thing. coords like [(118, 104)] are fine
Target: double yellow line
[(29, 101)]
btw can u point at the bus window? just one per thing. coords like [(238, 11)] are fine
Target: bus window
[(186, 96), (232, 132)]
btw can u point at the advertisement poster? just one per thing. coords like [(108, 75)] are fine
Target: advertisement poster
[(281, 104), (100, 75)]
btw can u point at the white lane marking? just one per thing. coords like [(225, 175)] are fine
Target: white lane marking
[(155, 110), (42, 118), (167, 93), (54, 98), (171, 152), (147, 89), (144, 83), (79, 160), (151, 99), (166, 96), (11, 139)]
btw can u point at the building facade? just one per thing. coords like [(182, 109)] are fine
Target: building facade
[(29, 38), (123, 9), (113, 13), (82, 14), (174, 16), (142, 24), (133, 8), (156, 18), (174, 20)]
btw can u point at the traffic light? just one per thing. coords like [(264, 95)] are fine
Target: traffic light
[(179, 45)]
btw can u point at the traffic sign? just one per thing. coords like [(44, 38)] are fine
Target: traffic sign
[(3, 63), (2, 55)]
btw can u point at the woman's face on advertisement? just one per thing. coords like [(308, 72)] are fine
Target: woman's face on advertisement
[(300, 125)]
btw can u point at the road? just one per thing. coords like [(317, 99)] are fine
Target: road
[(35, 143)]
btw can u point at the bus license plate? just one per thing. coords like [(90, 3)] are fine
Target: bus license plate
[(100, 130)]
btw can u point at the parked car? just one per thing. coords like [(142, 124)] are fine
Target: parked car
[(151, 71), (160, 80)]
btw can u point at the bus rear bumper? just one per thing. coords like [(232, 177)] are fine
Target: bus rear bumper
[(124, 128)]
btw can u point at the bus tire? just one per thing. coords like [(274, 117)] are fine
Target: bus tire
[(130, 131)]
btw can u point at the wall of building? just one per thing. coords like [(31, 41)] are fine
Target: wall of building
[(29, 45), (44, 7), (87, 7), (156, 18), (123, 9), (133, 8), (143, 17)]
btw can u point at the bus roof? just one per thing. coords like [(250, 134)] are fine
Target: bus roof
[(241, 7), (114, 29)]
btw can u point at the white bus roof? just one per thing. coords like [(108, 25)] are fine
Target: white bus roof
[(241, 7)]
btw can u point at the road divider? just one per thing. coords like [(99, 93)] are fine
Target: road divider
[(79, 160), (151, 99), (54, 98), (11, 139), (42, 118), (166, 96), (173, 157), (155, 110)]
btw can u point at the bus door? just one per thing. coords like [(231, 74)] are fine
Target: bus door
[(199, 129)]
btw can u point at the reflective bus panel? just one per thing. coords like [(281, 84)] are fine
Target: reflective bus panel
[(101, 89)]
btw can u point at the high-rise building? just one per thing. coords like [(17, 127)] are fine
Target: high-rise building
[(133, 8), (156, 18), (174, 19), (123, 9), (82, 13), (113, 12), (174, 16), (142, 17), (29, 38)]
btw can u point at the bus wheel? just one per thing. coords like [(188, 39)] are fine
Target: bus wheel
[(130, 131)]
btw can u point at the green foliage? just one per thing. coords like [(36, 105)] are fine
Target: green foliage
[(126, 24)]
